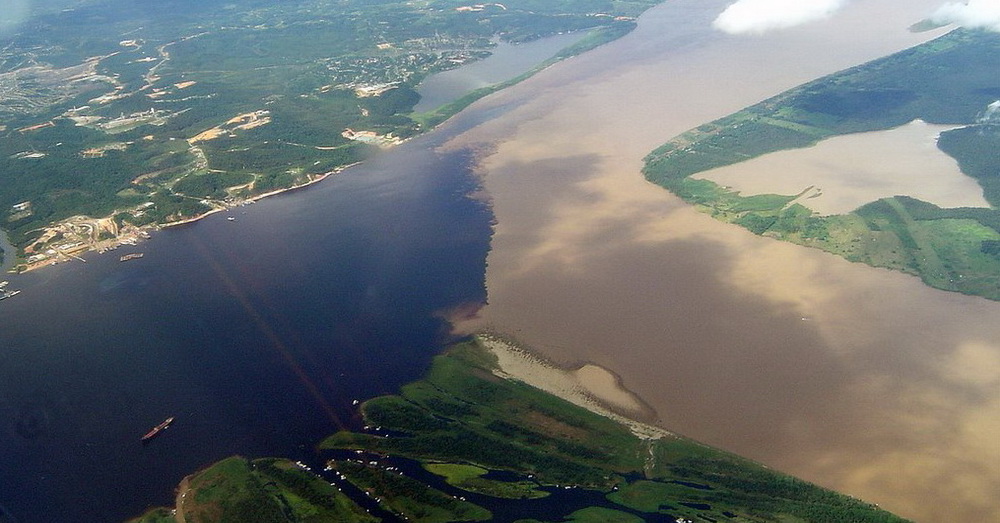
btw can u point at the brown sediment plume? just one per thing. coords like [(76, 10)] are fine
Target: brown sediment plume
[(859, 379)]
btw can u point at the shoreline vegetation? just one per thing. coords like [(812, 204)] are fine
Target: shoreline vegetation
[(143, 133), (475, 433), (950, 81)]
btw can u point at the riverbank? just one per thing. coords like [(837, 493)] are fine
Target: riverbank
[(313, 179), (133, 235)]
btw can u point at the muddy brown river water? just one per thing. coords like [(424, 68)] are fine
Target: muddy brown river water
[(858, 379), (843, 173)]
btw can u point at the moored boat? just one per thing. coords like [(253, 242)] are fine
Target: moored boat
[(4, 293), (157, 429)]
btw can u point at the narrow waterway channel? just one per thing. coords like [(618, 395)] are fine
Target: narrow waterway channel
[(506, 61)]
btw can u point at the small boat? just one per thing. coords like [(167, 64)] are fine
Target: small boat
[(157, 429), (230, 218), (132, 256)]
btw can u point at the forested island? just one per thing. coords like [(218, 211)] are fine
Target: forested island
[(950, 80), (116, 117), (470, 439)]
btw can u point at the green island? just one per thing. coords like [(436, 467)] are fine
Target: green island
[(117, 117), (950, 80), (468, 420), (238, 489)]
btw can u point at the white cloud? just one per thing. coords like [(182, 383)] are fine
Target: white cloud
[(759, 16), (983, 14)]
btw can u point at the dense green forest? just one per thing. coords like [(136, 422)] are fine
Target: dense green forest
[(950, 80)]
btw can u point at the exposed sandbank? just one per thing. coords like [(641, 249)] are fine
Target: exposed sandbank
[(596, 389)]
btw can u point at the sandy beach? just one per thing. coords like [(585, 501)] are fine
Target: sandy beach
[(594, 389)]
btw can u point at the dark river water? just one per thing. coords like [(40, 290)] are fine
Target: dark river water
[(256, 334)]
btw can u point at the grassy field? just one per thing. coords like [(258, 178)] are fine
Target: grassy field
[(470, 478), (951, 80)]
